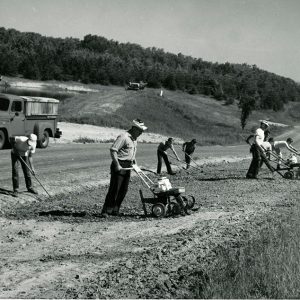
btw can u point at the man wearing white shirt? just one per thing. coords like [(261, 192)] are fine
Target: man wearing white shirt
[(22, 149), (278, 145), (257, 150)]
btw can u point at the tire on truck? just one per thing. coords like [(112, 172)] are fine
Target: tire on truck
[(44, 141), (3, 138)]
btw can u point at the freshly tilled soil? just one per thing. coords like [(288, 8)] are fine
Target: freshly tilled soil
[(61, 247)]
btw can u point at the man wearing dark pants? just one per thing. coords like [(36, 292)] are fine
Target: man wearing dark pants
[(188, 148), (123, 153), (162, 154), (22, 149), (258, 152)]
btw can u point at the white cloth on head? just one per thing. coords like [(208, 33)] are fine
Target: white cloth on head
[(259, 136)]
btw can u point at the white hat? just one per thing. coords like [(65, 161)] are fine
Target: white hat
[(33, 137), (32, 140), (264, 122), (139, 124)]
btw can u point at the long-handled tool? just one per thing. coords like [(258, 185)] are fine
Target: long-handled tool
[(198, 166), (34, 175), (181, 162)]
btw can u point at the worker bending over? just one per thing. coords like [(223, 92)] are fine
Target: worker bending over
[(162, 154), (188, 148), (22, 149), (278, 145)]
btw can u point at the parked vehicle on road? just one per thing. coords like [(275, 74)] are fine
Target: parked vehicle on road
[(20, 115), (135, 86)]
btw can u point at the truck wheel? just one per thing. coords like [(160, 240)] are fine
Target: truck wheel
[(43, 143), (2, 139)]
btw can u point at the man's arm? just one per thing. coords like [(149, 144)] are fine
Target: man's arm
[(292, 149), (249, 138), (30, 160), (114, 156)]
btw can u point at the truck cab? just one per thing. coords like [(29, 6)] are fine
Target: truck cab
[(20, 115)]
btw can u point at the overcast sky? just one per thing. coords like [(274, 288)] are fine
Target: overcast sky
[(261, 32)]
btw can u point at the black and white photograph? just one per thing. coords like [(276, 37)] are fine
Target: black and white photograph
[(149, 149)]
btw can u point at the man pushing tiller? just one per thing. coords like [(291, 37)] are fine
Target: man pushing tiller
[(123, 153), (258, 152)]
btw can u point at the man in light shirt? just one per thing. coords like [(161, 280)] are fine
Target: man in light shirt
[(278, 145), (258, 152), (123, 153), (22, 149)]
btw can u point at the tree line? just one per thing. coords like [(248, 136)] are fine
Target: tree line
[(95, 59)]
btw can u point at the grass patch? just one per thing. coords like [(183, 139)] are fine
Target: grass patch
[(268, 267), (176, 114), (87, 140)]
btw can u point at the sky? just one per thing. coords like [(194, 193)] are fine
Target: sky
[(260, 32)]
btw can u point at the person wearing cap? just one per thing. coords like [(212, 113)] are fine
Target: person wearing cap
[(123, 153), (267, 134), (188, 148), (278, 145), (258, 152), (22, 149), (162, 154), (265, 145)]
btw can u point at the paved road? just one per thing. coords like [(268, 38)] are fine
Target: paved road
[(65, 167)]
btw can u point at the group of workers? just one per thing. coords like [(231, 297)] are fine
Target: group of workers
[(123, 152), (261, 150)]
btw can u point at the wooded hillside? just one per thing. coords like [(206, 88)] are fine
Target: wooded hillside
[(96, 59)]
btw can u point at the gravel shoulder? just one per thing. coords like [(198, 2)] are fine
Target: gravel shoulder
[(58, 247)]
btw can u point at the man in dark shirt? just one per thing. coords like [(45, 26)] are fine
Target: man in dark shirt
[(162, 154), (188, 148)]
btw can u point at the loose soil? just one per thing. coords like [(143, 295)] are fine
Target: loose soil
[(60, 247)]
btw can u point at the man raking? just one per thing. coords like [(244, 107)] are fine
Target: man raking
[(22, 149)]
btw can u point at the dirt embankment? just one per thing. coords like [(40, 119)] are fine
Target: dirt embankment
[(59, 247), (79, 132)]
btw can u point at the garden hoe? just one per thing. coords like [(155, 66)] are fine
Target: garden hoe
[(34, 175)]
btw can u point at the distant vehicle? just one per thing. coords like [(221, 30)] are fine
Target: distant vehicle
[(135, 86), (20, 115)]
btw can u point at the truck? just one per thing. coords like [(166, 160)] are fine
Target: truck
[(136, 86), (22, 115)]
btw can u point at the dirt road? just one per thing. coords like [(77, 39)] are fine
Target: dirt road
[(58, 247)]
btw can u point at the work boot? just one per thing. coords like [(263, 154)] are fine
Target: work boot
[(15, 194), (32, 191), (172, 173)]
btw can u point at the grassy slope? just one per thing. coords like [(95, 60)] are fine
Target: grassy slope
[(176, 114)]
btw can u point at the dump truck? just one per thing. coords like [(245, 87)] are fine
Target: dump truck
[(22, 115)]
